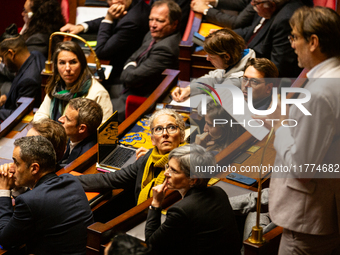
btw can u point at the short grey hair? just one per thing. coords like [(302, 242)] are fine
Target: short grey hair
[(37, 149), (189, 156), (172, 113)]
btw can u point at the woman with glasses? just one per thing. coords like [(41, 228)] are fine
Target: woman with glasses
[(203, 221), (167, 133), (71, 78), (226, 52), (216, 138)]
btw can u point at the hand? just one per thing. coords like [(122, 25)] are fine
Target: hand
[(181, 94), (3, 99), (6, 177), (116, 11), (159, 194), (204, 140), (72, 29), (276, 115), (199, 5), (141, 152)]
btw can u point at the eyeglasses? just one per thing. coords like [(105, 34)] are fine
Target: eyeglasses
[(170, 129), (255, 3), (252, 81), (292, 38), (171, 171)]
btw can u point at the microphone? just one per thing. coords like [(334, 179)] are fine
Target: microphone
[(48, 63)]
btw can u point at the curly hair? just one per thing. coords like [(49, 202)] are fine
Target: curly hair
[(47, 17)]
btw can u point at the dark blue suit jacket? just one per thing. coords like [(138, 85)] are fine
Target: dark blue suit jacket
[(272, 40), (116, 42), (52, 218), (78, 150), (27, 83)]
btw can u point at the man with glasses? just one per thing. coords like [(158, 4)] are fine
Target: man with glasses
[(267, 35), (257, 74), (28, 66), (306, 203)]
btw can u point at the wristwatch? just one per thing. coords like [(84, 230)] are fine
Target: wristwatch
[(155, 208)]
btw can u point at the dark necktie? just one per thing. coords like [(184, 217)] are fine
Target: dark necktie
[(144, 52)]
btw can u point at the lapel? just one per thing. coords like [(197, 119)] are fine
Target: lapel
[(262, 33)]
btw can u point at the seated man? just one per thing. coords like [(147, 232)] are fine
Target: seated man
[(168, 130), (160, 50), (224, 12), (47, 219), (257, 74), (268, 34), (120, 32), (81, 119), (27, 81)]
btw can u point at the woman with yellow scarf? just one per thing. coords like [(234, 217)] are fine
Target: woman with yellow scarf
[(167, 133)]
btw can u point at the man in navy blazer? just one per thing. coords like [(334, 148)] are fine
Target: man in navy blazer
[(142, 72), (271, 26), (52, 217), (81, 119), (120, 32), (27, 81)]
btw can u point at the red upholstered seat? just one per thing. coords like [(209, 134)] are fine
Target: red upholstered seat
[(132, 103), (327, 3)]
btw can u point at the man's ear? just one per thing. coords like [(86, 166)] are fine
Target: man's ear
[(11, 53), (226, 57), (34, 168), (313, 42), (82, 128), (174, 25), (193, 181)]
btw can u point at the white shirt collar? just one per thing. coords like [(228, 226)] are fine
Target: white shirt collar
[(317, 70)]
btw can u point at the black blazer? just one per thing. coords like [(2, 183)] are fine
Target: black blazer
[(225, 19), (202, 222), (26, 83), (148, 73), (116, 42), (272, 40), (78, 150), (128, 177), (51, 218)]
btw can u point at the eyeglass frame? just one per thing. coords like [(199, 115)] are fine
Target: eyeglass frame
[(166, 128), (246, 80), (171, 171), (257, 3)]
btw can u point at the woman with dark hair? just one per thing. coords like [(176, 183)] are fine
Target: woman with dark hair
[(203, 221), (226, 52), (42, 18), (71, 78), (218, 137)]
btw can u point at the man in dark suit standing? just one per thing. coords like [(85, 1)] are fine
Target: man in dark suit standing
[(53, 216), (27, 81), (268, 34), (142, 72), (120, 32), (81, 119)]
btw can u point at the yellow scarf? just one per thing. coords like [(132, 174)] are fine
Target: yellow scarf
[(149, 180)]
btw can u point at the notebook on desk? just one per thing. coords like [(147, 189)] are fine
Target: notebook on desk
[(111, 154)]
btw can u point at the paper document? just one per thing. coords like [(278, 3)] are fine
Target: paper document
[(89, 13)]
